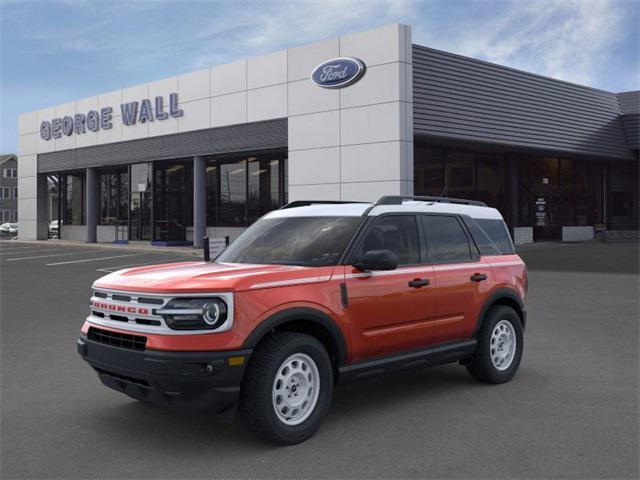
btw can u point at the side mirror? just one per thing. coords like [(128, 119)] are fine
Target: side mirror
[(377, 260)]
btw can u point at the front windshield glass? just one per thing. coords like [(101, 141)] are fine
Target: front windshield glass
[(307, 241)]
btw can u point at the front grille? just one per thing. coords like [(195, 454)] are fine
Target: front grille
[(116, 339)]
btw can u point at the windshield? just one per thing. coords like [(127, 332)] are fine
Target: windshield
[(307, 241)]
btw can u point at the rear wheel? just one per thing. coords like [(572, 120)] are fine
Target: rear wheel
[(500, 342), (287, 388)]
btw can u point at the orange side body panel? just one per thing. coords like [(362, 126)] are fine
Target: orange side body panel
[(384, 315)]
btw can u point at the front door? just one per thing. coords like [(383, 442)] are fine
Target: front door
[(546, 201), (390, 310)]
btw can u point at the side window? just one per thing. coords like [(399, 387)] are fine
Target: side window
[(446, 239), (396, 233), (498, 233)]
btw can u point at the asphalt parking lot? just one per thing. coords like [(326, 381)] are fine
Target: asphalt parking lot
[(571, 412)]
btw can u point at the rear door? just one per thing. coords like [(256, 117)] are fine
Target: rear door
[(390, 310), (462, 279)]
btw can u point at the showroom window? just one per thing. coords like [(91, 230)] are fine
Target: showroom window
[(441, 171), (242, 189), (113, 195), (73, 199)]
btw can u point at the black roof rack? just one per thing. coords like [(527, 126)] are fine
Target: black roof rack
[(399, 199), (306, 203)]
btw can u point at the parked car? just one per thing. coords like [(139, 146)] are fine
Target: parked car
[(308, 297), (54, 229), (9, 229)]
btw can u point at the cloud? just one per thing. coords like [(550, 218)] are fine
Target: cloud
[(569, 40)]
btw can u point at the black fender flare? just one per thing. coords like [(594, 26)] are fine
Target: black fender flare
[(495, 297), (296, 314)]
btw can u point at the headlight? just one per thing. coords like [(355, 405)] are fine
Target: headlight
[(194, 313)]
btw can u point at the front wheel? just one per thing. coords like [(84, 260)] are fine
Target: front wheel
[(500, 342), (287, 388)]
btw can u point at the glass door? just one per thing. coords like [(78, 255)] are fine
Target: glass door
[(173, 200), (546, 199), (140, 214)]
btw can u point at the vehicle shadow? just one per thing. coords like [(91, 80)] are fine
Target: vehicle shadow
[(351, 403)]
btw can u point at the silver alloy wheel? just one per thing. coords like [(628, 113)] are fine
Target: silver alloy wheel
[(503, 345), (296, 389)]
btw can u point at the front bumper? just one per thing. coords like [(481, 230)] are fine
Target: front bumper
[(195, 382)]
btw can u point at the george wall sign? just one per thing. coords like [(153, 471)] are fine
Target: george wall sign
[(339, 72), (94, 120)]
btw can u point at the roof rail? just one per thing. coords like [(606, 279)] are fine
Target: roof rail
[(399, 199), (306, 203)]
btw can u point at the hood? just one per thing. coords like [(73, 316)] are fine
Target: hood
[(203, 277)]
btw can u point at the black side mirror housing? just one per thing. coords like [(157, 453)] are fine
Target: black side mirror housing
[(377, 260)]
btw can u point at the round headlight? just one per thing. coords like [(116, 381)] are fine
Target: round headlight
[(194, 313), (214, 313)]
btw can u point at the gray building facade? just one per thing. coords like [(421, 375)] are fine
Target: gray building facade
[(8, 188), (207, 153)]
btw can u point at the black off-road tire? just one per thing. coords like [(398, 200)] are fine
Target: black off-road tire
[(256, 400), (481, 366)]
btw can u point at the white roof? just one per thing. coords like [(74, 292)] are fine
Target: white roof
[(357, 209)]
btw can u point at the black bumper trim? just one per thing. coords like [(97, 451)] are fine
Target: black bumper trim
[(195, 382)]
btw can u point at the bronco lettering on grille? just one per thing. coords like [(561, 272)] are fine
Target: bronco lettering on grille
[(119, 308)]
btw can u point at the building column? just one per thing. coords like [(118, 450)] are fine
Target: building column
[(199, 201), (41, 207), (91, 205)]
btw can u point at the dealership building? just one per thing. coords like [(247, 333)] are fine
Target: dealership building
[(350, 118)]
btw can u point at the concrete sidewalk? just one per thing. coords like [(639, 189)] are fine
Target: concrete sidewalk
[(131, 246)]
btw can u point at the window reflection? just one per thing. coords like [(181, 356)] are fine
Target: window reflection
[(73, 199), (242, 189), (113, 197)]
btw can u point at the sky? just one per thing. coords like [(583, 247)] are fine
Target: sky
[(55, 51)]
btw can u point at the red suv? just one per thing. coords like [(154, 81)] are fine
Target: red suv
[(312, 295)]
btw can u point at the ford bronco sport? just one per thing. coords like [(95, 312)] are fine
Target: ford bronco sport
[(310, 296)]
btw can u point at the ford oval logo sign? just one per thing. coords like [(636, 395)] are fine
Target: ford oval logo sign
[(338, 73)]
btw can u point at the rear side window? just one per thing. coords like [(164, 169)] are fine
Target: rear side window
[(396, 233), (484, 243), (497, 232), (446, 239)]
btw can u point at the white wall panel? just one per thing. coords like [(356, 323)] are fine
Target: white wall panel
[(306, 97), (372, 191), (197, 115), (229, 109), (194, 85), (162, 88), (320, 165), (316, 130), (164, 127), (266, 103), (303, 59), (372, 123), (111, 99), (28, 144), (229, 78), (327, 191), (267, 70), (372, 162)]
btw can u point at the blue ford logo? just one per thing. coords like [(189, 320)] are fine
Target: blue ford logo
[(338, 73)]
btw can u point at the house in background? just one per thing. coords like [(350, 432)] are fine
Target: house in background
[(9, 188)]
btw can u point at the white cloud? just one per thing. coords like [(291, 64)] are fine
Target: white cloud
[(569, 40)]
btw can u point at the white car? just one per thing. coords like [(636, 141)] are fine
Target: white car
[(9, 228), (54, 229)]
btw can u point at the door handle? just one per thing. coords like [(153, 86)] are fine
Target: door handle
[(478, 277), (419, 282)]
